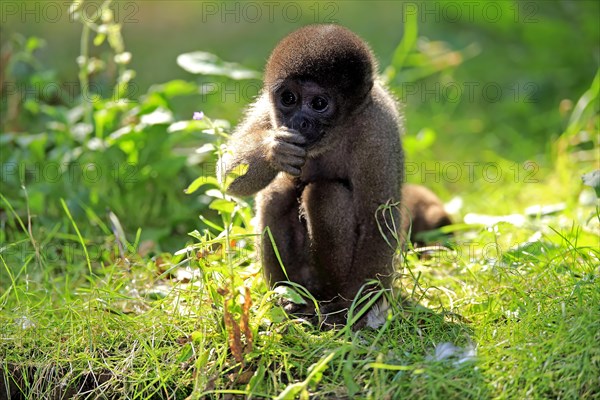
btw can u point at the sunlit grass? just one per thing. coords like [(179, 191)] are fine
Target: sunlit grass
[(92, 309), (131, 330)]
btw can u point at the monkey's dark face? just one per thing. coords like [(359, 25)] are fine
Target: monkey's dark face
[(304, 106)]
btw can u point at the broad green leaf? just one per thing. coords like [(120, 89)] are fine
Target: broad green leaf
[(185, 126), (222, 205), (198, 182), (203, 63), (177, 87), (290, 294), (205, 126), (158, 116), (236, 172)]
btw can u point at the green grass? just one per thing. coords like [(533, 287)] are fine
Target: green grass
[(96, 301), (155, 327)]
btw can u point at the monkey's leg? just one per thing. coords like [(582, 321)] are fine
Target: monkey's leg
[(348, 249), (333, 231), (278, 209)]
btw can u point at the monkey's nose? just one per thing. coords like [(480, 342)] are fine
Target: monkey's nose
[(301, 123)]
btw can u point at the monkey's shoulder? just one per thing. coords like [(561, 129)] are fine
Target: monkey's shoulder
[(384, 104)]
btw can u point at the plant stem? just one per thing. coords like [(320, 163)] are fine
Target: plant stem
[(83, 74)]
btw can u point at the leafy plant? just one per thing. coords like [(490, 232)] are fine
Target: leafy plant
[(94, 302)]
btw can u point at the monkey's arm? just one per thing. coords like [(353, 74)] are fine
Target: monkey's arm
[(265, 150), (376, 184), (246, 148)]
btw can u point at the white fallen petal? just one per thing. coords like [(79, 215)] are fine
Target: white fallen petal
[(377, 315), (447, 350)]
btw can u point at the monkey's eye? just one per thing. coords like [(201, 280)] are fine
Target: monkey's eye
[(319, 104), (288, 98)]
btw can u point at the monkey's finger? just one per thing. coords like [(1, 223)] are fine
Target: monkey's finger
[(290, 137), (289, 149), (291, 170), (291, 165), (291, 160)]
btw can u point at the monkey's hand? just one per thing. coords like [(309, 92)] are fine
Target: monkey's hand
[(285, 150)]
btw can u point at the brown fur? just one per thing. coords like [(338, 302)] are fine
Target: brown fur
[(422, 211), (320, 177)]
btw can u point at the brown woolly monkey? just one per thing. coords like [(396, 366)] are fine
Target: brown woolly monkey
[(322, 149)]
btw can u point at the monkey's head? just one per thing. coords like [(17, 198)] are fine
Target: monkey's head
[(317, 74)]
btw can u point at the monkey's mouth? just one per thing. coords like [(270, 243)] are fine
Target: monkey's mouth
[(313, 140)]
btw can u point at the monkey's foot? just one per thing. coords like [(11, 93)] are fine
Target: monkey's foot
[(306, 311), (334, 314), (328, 317)]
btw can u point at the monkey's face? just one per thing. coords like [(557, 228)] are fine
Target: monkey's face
[(304, 106)]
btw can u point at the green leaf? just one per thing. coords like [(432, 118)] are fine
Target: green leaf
[(169, 167), (187, 126), (313, 378), (198, 182), (392, 367), (236, 172), (36, 143), (348, 374), (34, 43), (422, 141), (186, 353), (203, 63), (402, 51), (99, 39), (291, 391), (276, 315), (158, 116), (257, 379), (211, 224), (207, 148), (289, 294), (222, 205), (174, 88)]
